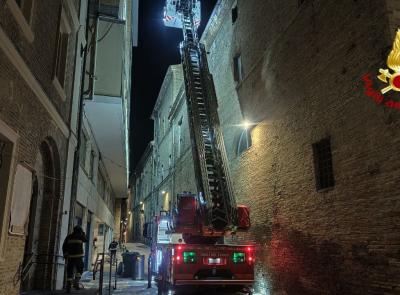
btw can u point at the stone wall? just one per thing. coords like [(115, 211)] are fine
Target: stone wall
[(303, 64)]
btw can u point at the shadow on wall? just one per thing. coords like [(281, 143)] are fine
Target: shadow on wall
[(291, 262)]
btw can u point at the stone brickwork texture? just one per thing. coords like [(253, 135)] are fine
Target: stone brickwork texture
[(302, 66), (21, 110)]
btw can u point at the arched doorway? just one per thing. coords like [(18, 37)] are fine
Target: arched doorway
[(43, 227)]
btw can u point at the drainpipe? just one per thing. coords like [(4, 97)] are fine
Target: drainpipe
[(75, 170)]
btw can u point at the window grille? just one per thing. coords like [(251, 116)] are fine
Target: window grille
[(234, 14), (64, 31), (323, 164), (2, 146), (26, 7), (237, 68)]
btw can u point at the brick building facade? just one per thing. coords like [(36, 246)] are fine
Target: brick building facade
[(37, 54), (41, 68), (319, 165)]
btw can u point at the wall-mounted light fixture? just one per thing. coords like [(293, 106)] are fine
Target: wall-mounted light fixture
[(246, 124)]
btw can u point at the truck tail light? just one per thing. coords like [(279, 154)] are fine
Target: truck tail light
[(250, 255), (189, 257), (238, 257)]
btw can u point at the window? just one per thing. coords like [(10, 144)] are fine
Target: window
[(300, 2), (79, 213), (163, 126), (180, 140), (26, 8), (238, 68), (22, 11), (245, 141), (8, 141), (101, 184), (234, 14), (323, 164), (61, 54), (101, 228), (82, 150), (91, 171)]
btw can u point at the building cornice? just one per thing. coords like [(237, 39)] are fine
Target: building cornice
[(15, 58), (214, 24)]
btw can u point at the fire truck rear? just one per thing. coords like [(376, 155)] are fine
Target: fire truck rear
[(199, 265)]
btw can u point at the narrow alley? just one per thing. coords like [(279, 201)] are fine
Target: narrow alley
[(177, 147)]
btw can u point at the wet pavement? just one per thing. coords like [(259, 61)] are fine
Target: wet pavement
[(127, 286)]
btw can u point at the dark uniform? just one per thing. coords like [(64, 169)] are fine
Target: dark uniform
[(113, 248), (73, 253)]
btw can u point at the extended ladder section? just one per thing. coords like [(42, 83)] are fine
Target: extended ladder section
[(208, 149)]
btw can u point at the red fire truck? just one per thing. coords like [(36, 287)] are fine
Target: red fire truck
[(186, 253), (188, 242)]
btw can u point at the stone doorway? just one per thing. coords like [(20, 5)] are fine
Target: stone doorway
[(40, 257)]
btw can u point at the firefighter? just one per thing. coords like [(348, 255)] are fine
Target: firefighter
[(73, 254), (113, 248)]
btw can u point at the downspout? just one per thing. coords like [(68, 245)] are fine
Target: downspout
[(75, 170)]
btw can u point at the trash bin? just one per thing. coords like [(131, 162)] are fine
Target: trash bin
[(128, 260), (138, 268)]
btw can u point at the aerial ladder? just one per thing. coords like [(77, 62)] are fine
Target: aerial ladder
[(192, 238), (219, 212)]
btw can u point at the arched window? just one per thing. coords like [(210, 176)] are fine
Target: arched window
[(244, 141)]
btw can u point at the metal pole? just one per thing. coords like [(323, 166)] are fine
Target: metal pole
[(110, 277), (75, 169), (116, 269), (149, 272), (101, 275), (103, 261)]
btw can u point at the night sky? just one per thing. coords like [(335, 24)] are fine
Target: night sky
[(157, 49)]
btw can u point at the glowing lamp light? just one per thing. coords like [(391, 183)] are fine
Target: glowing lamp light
[(163, 192), (178, 258), (180, 248), (246, 124)]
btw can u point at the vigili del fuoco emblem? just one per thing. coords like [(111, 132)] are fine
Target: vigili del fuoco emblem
[(393, 63)]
